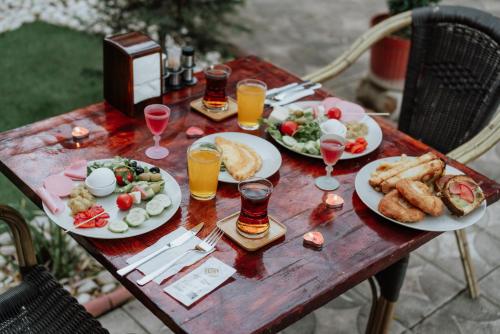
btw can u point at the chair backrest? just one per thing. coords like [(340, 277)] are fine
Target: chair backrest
[(452, 86)]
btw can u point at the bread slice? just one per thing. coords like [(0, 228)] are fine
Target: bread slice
[(379, 177), (426, 172), (462, 195)]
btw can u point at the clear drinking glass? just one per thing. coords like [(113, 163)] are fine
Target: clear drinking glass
[(204, 161), (215, 98), (253, 221), (157, 116), (331, 147), (250, 94)]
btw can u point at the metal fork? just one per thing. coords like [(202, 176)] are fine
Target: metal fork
[(205, 246)]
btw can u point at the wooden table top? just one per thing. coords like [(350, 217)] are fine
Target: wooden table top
[(273, 287)]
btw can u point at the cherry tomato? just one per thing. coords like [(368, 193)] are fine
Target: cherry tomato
[(124, 201), (288, 128), (123, 176), (334, 113)]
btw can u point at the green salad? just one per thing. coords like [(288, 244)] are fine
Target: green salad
[(300, 131)]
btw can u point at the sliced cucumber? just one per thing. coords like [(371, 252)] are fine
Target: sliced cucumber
[(141, 210), (154, 207), (164, 199), (118, 226), (135, 218), (289, 141)]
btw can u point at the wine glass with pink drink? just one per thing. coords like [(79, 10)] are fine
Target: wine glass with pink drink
[(157, 116), (331, 147)]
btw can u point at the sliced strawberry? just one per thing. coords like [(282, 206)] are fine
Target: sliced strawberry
[(455, 188), (466, 193)]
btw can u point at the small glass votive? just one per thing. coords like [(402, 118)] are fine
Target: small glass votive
[(79, 133), (333, 201)]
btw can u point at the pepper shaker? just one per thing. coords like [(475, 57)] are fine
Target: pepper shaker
[(188, 66)]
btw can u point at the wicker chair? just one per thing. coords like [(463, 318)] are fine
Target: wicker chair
[(39, 304), (452, 88)]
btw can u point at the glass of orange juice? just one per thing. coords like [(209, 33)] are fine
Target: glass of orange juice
[(204, 160), (251, 95)]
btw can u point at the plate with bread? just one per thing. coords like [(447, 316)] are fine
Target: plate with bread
[(244, 156), (421, 193)]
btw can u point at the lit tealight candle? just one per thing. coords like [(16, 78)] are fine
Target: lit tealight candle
[(79, 132), (333, 201)]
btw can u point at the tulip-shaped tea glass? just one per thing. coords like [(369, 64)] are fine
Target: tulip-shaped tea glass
[(157, 116), (331, 147), (253, 221), (215, 98)]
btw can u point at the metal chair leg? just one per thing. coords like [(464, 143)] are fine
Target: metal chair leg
[(390, 282), (470, 276)]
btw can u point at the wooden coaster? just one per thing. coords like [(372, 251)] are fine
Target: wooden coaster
[(216, 116), (228, 225)]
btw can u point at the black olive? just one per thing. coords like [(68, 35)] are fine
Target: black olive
[(133, 164), (154, 170), (139, 170)]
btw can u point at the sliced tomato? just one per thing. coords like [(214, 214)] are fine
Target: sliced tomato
[(466, 193), (361, 140), (100, 222), (455, 188), (358, 148)]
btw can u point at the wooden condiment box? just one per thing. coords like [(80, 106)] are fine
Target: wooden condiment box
[(133, 71)]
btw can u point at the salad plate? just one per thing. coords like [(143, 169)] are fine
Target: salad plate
[(269, 154), (170, 191), (446, 222), (373, 136)]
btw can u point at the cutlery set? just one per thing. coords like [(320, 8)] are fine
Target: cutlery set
[(205, 246), (290, 93)]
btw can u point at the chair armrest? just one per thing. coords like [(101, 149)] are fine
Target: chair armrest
[(480, 143), (22, 237), (360, 45)]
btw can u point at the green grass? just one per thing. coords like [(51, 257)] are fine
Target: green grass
[(46, 70)]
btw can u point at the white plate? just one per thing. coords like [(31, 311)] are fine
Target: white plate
[(374, 136), (446, 222), (271, 157), (171, 188)]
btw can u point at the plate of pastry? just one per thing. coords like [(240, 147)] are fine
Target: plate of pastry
[(244, 156), (421, 193)]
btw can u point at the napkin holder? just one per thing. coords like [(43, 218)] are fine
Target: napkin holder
[(132, 65)]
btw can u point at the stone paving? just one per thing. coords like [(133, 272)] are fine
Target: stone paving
[(302, 36)]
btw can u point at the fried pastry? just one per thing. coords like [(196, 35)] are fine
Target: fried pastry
[(425, 172), (399, 167), (241, 161), (394, 206), (419, 195)]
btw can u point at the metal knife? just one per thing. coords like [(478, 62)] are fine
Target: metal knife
[(174, 243), (294, 97)]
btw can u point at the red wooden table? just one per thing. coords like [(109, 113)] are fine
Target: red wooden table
[(273, 287)]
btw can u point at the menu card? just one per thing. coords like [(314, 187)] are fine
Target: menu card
[(200, 281)]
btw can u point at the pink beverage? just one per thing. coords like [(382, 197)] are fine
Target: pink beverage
[(157, 116), (157, 120), (331, 150)]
